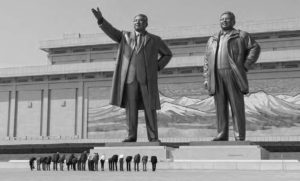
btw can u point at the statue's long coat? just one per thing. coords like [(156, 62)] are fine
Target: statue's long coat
[(157, 56)]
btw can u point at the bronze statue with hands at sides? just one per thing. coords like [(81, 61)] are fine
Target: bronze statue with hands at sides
[(134, 86), (229, 55)]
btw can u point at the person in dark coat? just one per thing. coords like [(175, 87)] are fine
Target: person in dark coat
[(90, 162), (114, 160), (44, 162), (79, 163), (121, 162), (61, 162), (110, 164), (55, 159), (38, 163), (69, 161), (83, 159), (144, 161), (74, 162), (137, 160), (128, 163), (141, 55), (154, 162), (31, 163), (96, 161), (48, 163)]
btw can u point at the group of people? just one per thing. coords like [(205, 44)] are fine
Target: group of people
[(79, 162), (113, 162), (44, 162)]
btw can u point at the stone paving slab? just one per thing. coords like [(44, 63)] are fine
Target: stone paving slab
[(217, 152), (267, 165), (161, 175)]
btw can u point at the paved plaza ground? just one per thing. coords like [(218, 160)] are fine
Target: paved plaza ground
[(159, 175)]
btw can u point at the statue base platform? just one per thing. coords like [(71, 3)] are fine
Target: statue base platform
[(220, 151)]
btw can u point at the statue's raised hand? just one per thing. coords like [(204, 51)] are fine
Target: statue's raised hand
[(97, 13)]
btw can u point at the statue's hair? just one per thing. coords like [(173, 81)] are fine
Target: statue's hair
[(230, 14), (144, 16)]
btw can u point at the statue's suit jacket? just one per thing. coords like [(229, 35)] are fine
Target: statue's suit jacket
[(157, 55)]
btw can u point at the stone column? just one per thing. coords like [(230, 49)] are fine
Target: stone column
[(80, 110), (45, 111)]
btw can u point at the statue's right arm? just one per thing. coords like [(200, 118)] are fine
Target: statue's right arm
[(106, 27), (110, 31)]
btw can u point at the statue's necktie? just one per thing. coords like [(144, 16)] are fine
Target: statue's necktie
[(138, 41)]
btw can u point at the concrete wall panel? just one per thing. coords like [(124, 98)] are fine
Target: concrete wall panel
[(62, 112), (29, 113)]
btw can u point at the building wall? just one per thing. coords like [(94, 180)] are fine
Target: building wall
[(62, 112), (72, 108), (273, 48)]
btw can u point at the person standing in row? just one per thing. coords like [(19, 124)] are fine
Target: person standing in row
[(74, 162), (48, 162), (144, 161), (61, 162), (90, 162), (96, 160), (83, 159), (102, 161), (31, 163), (121, 162), (69, 161), (128, 163), (44, 162), (136, 161), (154, 162), (110, 164), (38, 163), (55, 160), (114, 160)]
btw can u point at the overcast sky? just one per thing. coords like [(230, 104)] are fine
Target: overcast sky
[(24, 23)]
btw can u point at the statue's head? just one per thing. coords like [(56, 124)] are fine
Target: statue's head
[(227, 20), (140, 22)]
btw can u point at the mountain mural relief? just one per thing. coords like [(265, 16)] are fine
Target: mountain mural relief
[(195, 117)]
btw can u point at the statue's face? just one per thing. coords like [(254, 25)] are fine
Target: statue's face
[(226, 22), (140, 23)]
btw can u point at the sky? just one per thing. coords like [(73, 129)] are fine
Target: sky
[(24, 23)]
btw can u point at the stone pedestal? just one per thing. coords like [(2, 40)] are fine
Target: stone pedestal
[(220, 152), (131, 149)]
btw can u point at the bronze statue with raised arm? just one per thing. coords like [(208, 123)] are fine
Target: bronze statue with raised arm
[(134, 86), (229, 55)]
